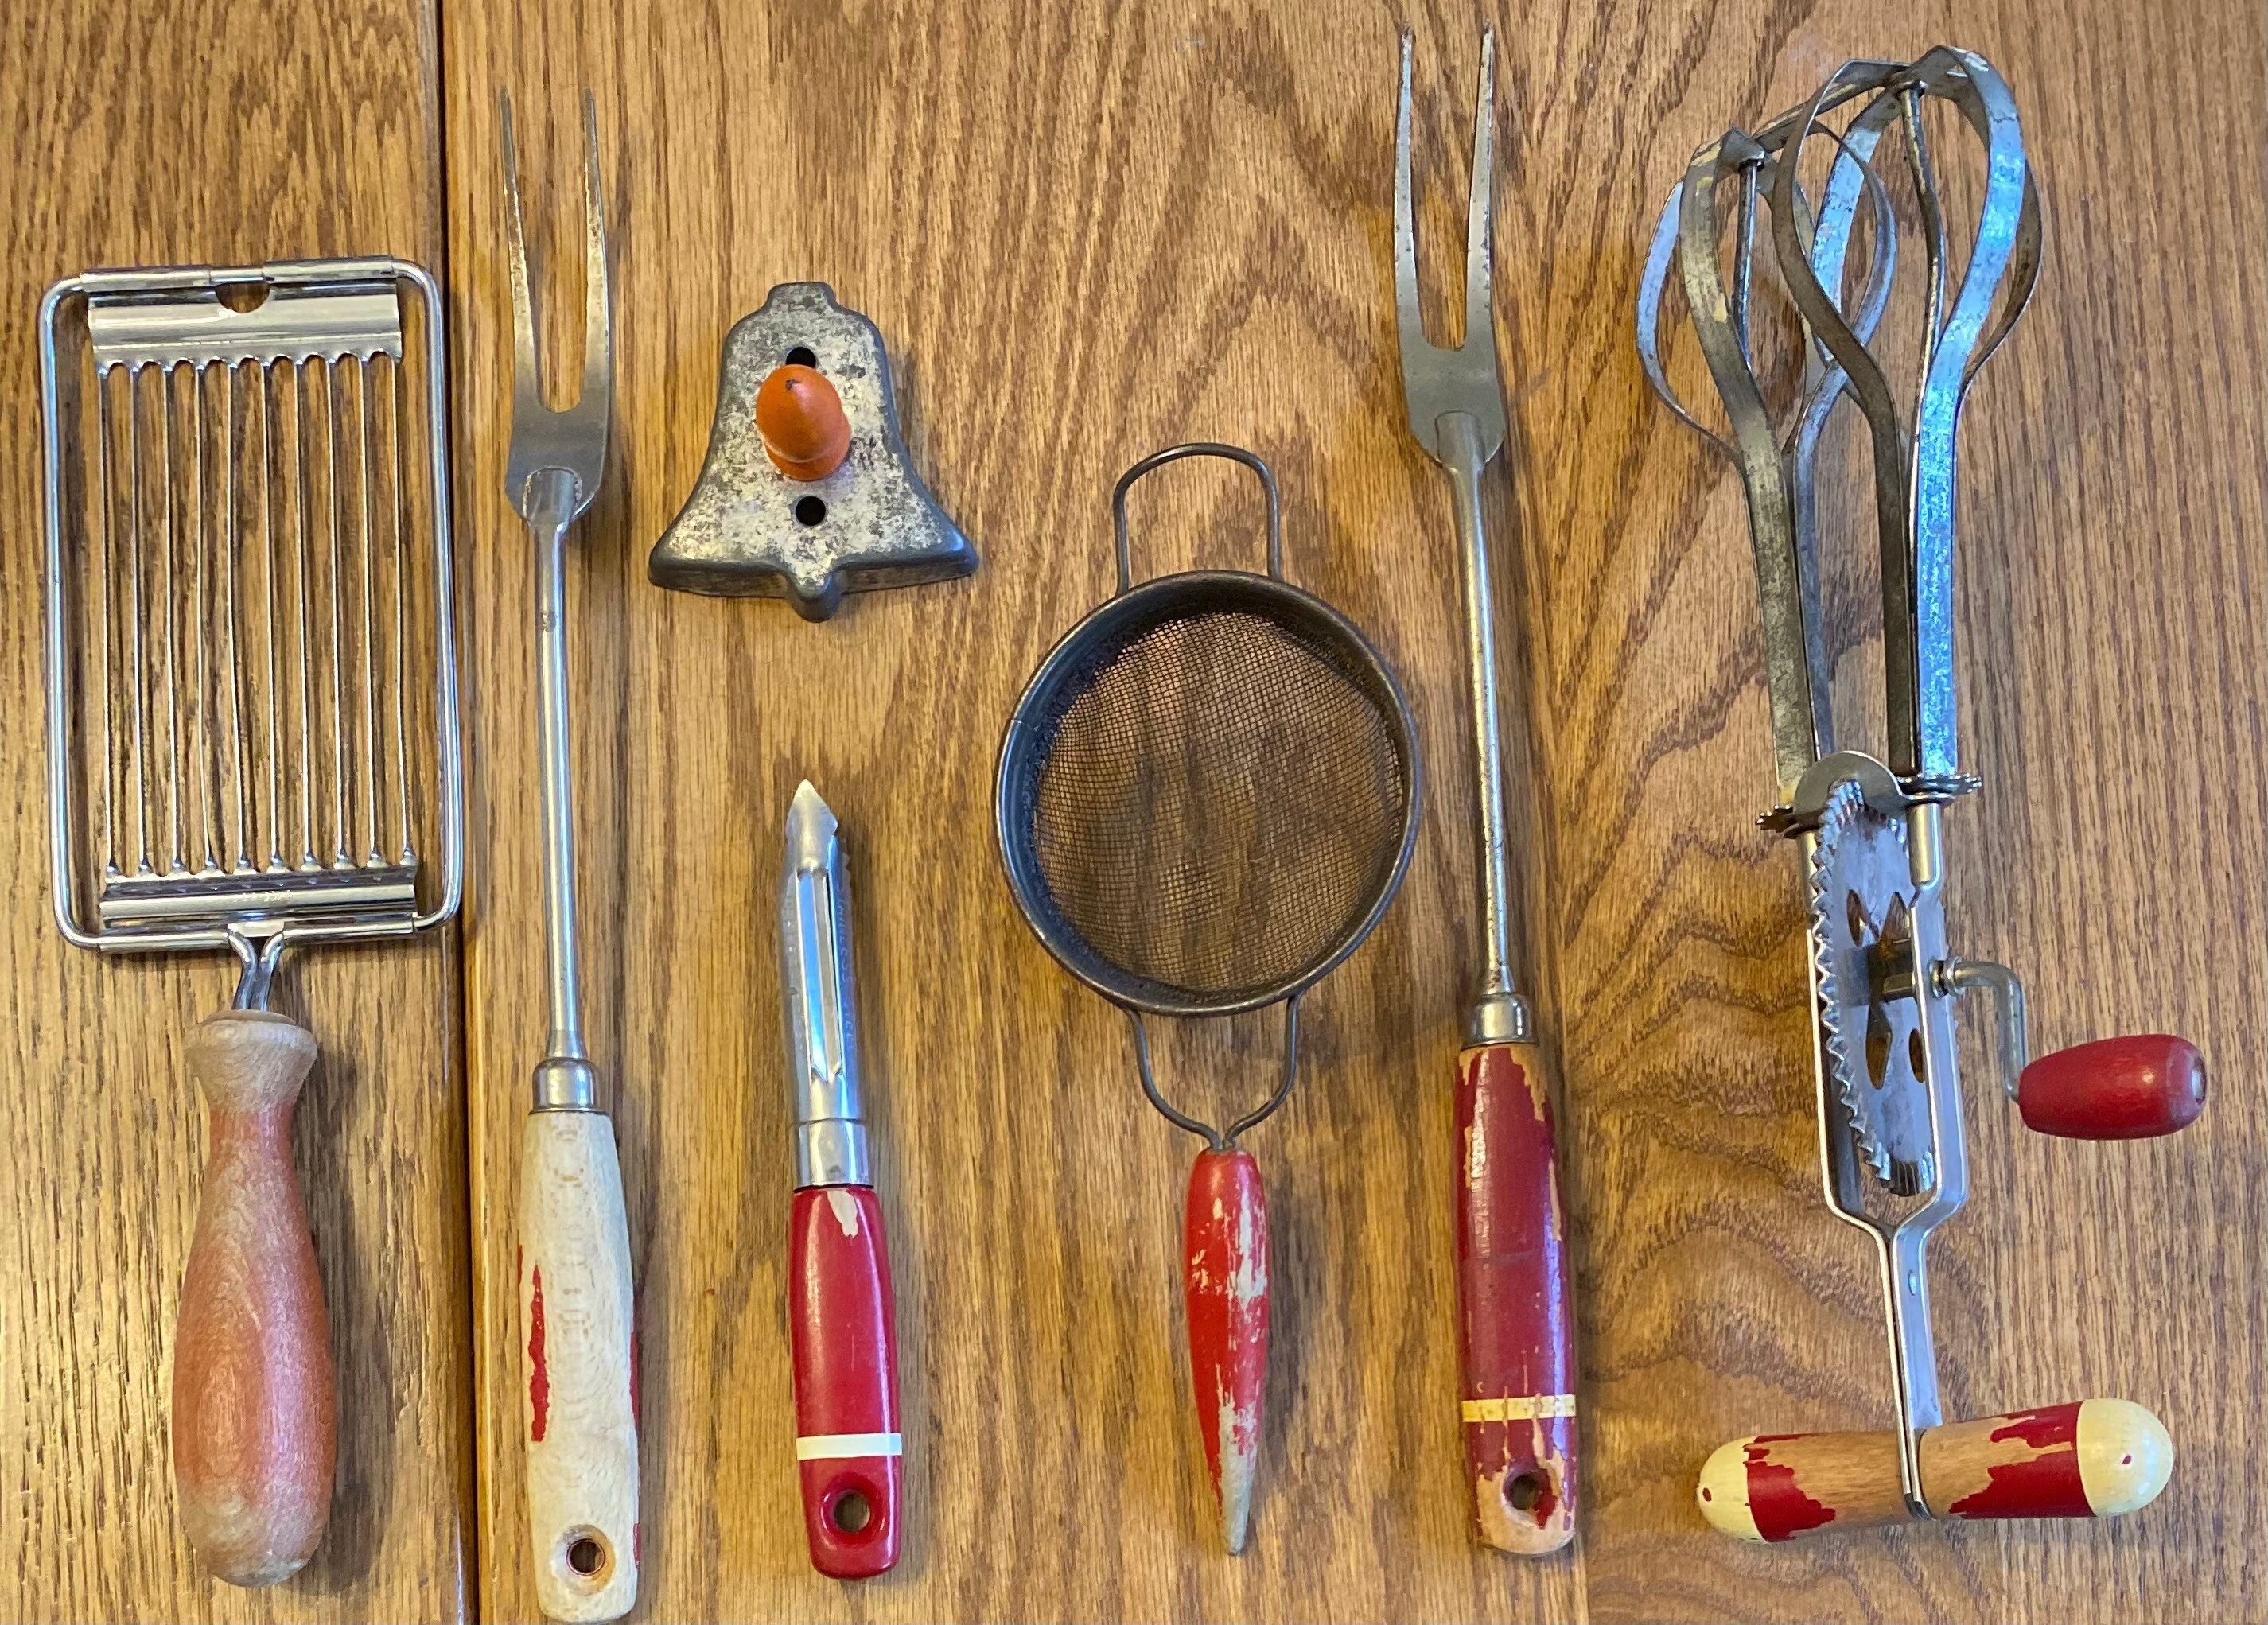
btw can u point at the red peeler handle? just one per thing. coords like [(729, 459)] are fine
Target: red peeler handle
[(847, 1444), (1516, 1331), (1225, 1287)]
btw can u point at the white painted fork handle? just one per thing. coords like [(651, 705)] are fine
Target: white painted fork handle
[(578, 1368)]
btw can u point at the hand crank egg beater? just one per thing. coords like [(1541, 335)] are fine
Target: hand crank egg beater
[(1872, 831)]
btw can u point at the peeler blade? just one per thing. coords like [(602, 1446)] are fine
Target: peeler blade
[(819, 998)]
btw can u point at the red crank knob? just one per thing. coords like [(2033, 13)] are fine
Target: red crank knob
[(800, 418), (2114, 1088)]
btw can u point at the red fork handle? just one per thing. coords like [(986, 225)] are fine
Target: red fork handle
[(2096, 1458), (1224, 1286), (847, 1443), (1515, 1325)]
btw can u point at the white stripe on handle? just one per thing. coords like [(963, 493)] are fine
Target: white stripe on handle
[(578, 1368), (847, 1446)]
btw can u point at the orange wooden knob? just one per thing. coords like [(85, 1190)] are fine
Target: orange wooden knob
[(800, 418)]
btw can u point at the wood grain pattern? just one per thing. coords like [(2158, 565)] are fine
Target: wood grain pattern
[(215, 132), (1088, 230), (254, 1415)]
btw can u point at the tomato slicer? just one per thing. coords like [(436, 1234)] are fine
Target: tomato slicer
[(253, 747), (1872, 832)]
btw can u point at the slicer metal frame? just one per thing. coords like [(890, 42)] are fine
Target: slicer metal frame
[(177, 317)]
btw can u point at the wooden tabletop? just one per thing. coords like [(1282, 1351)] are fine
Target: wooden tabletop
[(1088, 230)]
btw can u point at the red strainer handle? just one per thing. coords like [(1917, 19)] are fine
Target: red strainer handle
[(1225, 1286)]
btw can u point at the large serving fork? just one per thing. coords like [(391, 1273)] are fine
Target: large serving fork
[(574, 1256), (1516, 1326)]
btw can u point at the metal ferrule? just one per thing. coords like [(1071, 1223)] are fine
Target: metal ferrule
[(819, 995), (565, 1084), (1499, 1019)]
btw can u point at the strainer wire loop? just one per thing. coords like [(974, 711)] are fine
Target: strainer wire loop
[(1175, 453)]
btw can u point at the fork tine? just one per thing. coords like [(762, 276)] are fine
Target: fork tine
[(1480, 320), (597, 291), (1407, 319), (526, 381)]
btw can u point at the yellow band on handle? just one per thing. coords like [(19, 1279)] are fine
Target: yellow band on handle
[(1521, 1407)]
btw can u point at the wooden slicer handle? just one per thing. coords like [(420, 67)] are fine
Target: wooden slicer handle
[(255, 1406), (2095, 1459), (578, 1367), (1224, 1286), (1515, 1325), (842, 1330)]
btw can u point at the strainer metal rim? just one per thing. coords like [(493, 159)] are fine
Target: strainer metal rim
[(1289, 604)]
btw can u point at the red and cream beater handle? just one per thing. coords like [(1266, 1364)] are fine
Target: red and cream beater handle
[(1515, 1329), (2094, 1458)]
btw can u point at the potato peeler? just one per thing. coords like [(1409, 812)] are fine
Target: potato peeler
[(247, 543), (808, 492), (841, 1319), (1871, 832)]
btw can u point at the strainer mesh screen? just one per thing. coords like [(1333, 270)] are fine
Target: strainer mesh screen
[(1220, 804)]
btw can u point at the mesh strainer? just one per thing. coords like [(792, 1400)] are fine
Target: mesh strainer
[(1207, 797)]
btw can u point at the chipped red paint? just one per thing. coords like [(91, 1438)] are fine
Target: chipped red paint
[(2046, 1485), (1516, 1331), (637, 1544), (538, 1373), (1225, 1283), (2115, 1089), (2048, 1425), (841, 1325), (1776, 1500)]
